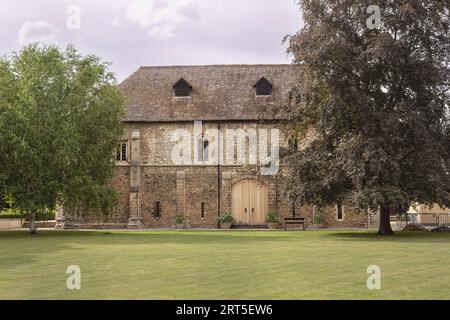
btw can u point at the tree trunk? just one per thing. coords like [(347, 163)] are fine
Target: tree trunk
[(33, 222), (385, 221)]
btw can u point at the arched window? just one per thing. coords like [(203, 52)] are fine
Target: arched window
[(121, 152), (203, 148), (118, 151)]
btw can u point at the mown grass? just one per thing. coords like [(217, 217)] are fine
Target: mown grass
[(223, 265)]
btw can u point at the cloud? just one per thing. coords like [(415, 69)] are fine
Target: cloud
[(116, 22), (162, 17), (163, 31), (36, 31)]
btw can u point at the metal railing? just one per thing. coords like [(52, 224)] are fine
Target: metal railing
[(444, 219), (427, 219)]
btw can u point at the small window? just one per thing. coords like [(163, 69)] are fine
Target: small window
[(293, 143), (340, 211), (124, 152), (182, 88), (121, 152), (263, 87), (203, 149), (157, 211), (203, 210), (118, 153)]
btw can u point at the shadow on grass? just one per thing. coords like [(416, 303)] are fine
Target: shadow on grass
[(200, 237), (398, 237), (150, 236)]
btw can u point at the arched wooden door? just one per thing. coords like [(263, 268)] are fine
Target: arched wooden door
[(249, 203)]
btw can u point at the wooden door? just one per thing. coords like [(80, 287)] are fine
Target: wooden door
[(249, 203), (258, 203), (239, 204)]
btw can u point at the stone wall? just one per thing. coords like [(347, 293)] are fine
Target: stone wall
[(118, 218), (352, 218), (150, 177)]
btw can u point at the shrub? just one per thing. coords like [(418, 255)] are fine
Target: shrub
[(15, 213), (442, 228), (45, 215), (179, 219), (319, 215), (318, 219), (272, 217), (414, 227), (226, 217), (10, 214)]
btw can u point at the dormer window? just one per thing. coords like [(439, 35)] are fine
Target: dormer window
[(263, 87), (182, 88)]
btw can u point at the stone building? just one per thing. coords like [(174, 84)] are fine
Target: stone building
[(199, 142)]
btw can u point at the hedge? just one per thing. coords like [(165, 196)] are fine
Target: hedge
[(13, 214), (4, 215)]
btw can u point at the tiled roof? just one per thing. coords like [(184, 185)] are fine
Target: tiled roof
[(219, 92)]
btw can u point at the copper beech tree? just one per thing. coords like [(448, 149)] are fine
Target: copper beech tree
[(374, 98)]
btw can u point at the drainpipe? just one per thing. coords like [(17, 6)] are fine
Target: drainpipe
[(219, 195), (276, 195)]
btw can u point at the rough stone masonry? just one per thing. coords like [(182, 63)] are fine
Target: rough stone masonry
[(153, 190)]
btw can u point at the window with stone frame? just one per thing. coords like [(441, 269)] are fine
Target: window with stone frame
[(202, 213), (340, 211), (203, 148), (292, 143), (157, 211), (122, 152)]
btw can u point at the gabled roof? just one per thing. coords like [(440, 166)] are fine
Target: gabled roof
[(221, 92)]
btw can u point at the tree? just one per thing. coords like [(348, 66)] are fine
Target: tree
[(60, 118), (374, 102)]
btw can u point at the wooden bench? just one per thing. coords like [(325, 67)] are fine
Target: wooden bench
[(294, 221)]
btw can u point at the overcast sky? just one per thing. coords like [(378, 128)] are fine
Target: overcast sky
[(131, 33)]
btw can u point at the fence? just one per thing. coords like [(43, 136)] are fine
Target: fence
[(431, 220)]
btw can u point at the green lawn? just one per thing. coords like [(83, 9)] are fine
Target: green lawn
[(223, 265)]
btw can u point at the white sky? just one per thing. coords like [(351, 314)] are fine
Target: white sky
[(131, 33)]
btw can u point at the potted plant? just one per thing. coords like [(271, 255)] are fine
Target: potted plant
[(225, 220), (179, 221), (272, 220)]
